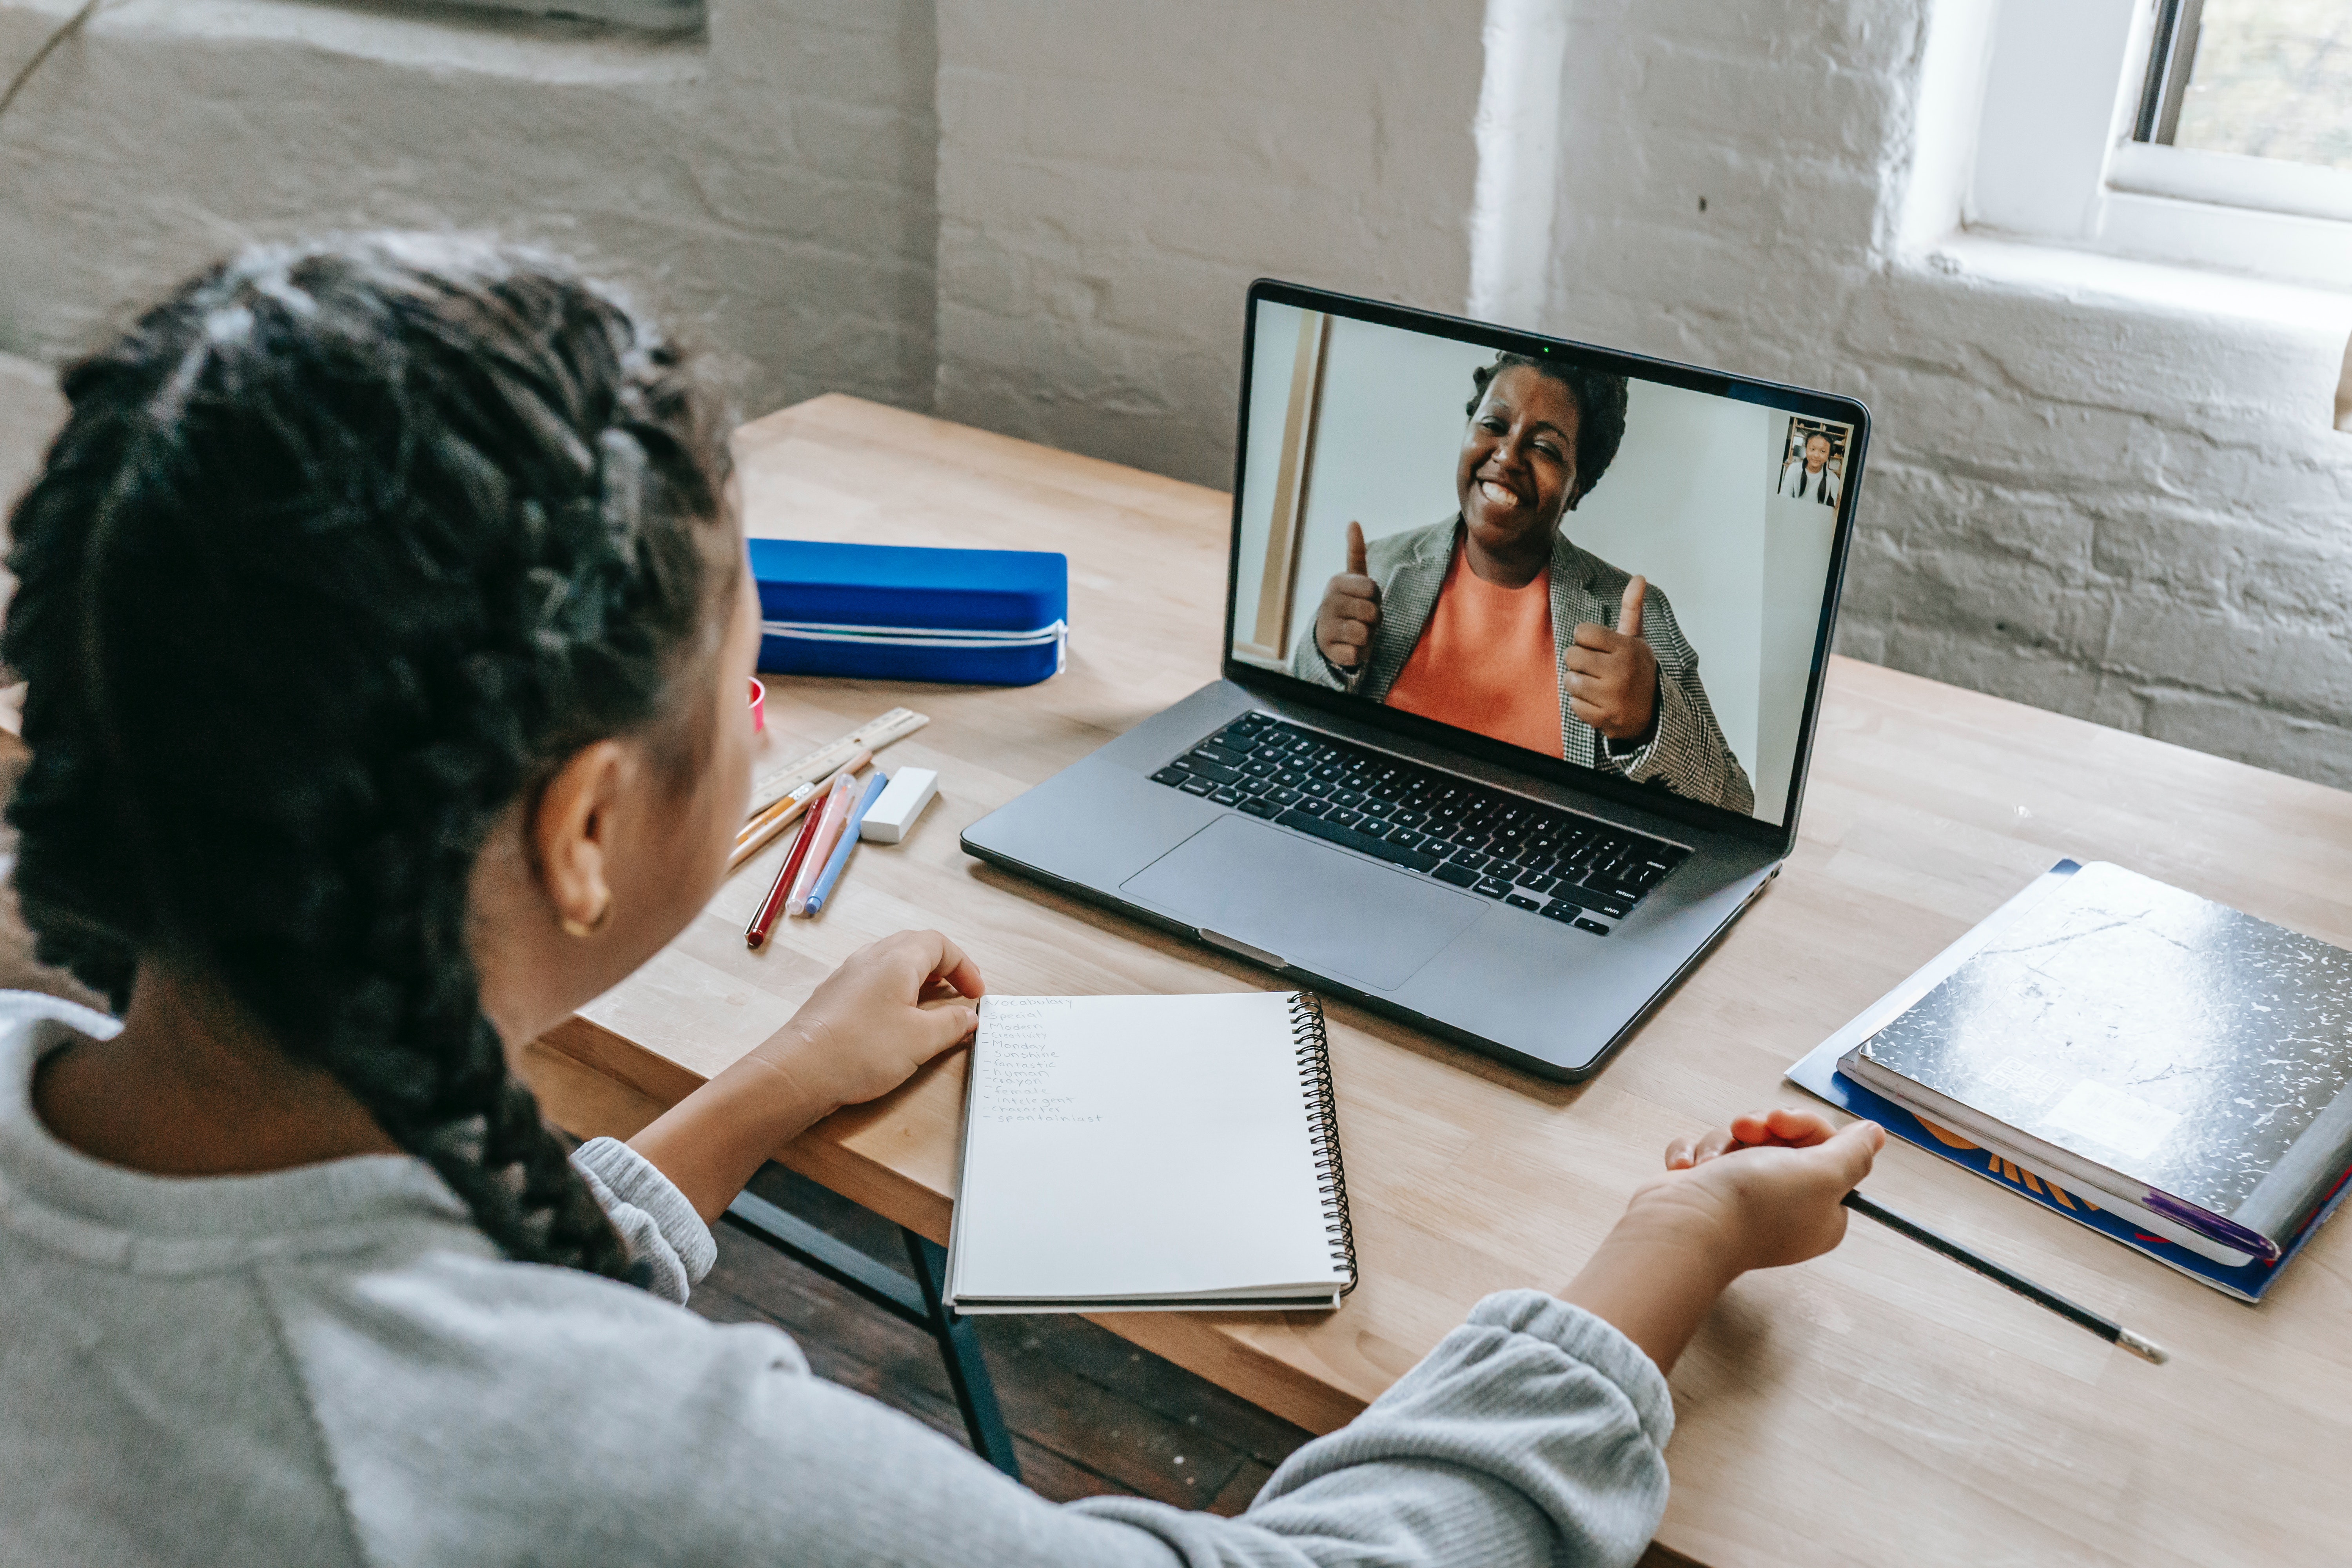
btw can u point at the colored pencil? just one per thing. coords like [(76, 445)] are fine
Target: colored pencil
[(774, 904), (756, 834), (838, 801), (849, 841), (782, 806), (2107, 1329)]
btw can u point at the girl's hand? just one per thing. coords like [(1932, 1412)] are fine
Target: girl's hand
[(864, 1031), (1769, 1184), (861, 1034), (1758, 1193)]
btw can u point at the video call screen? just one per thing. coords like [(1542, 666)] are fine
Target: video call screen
[(1620, 573)]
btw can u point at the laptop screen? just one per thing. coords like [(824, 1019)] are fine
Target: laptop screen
[(1621, 566)]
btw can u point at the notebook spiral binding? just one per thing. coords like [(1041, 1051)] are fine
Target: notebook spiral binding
[(1314, 1056)]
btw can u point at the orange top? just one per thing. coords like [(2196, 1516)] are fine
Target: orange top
[(1486, 661)]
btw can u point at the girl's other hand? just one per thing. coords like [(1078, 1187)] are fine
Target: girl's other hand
[(1758, 1193), (1772, 1183), (865, 1029)]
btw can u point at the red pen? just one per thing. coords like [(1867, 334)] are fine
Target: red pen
[(774, 905)]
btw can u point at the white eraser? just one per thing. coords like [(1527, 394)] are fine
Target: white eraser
[(901, 801)]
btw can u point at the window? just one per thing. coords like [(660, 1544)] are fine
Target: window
[(2268, 79), (2210, 131)]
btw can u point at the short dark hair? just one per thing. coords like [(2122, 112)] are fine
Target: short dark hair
[(411, 520), (1599, 408)]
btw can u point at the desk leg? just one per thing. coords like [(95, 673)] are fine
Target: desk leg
[(959, 1348), (916, 1302)]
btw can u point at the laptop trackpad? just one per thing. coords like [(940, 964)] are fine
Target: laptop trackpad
[(1320, 908)]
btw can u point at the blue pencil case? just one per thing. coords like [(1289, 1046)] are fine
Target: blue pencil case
[(984, 618)]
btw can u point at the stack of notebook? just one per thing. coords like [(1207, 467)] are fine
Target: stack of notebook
[(2160, 1068)]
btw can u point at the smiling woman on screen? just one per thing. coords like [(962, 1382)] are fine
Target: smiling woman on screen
[(1493, 622)]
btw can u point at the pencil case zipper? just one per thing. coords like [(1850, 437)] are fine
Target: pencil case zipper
[(1054, 635)]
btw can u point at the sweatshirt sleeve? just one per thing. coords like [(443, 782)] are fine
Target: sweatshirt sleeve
[(1530, 1437), (484, 1411), (662, 1229), (1533, 1433)]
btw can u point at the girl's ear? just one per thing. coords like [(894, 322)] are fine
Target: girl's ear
[(571, 833)]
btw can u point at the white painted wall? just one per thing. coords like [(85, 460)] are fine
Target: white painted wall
[(1385, 446), (1111, 177), (772, 184), (2109, 488), (2106, 489)]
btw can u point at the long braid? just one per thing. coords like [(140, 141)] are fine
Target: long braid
[(342, 551)]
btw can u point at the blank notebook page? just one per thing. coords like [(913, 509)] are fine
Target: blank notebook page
[(1139, 1146)]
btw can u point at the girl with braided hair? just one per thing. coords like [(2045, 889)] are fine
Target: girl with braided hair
[(387, 621)]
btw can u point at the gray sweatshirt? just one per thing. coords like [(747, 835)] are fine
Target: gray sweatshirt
[(330, 1365)]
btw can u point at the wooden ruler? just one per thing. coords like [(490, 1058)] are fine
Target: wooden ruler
[(871, 736)]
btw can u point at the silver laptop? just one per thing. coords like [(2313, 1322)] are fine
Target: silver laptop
[(1524, 646)]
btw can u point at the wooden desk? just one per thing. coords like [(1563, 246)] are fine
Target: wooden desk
[(1879, 1404)]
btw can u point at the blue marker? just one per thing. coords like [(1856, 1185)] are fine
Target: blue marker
[(818, 894)]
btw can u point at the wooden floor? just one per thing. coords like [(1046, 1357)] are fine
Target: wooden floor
[(1089, 1413)]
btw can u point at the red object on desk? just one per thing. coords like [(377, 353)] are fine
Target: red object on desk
[(774, 904), (759, 705)]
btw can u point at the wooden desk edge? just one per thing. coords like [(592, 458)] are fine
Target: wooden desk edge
[(594, 1084)]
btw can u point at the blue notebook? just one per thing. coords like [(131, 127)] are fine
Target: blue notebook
[(986, 617), (1984, 956)]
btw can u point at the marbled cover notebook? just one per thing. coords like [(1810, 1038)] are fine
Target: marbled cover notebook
[(2150, 1036)]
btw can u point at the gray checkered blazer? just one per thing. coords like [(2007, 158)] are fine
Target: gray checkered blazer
[(1688, 754)]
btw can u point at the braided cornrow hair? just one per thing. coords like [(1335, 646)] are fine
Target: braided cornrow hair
[(1601, 400), (342, 550)]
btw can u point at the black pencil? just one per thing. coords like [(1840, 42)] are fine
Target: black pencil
[(2107, 1329)]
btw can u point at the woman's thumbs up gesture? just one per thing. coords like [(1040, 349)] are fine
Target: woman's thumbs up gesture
[(1351, 611), (1611, 677)]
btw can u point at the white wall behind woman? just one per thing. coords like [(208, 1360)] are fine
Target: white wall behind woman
[(1385, 445)]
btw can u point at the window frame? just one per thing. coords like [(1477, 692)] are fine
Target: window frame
[(2063, 155)]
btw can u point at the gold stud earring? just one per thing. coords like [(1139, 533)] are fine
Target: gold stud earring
[(584, 929)]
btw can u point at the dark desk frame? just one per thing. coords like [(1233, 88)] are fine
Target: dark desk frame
[(921, 1301)]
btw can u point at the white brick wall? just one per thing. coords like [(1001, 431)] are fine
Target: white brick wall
[(2100, 488), (1112, 178), (773, 185), (30, 411), (2096, 487)]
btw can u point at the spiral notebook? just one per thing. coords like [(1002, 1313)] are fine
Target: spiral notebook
[(1148, 1153)]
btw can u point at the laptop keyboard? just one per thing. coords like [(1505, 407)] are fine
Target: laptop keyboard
[(1439, 824)]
